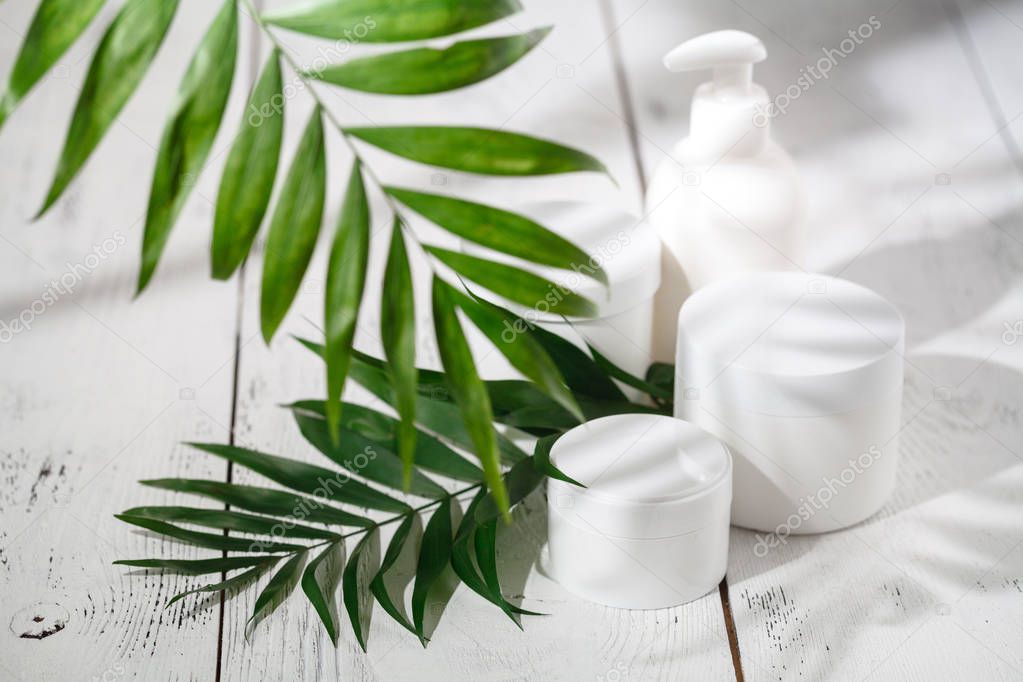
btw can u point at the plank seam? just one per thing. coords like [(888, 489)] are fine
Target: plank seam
[(980, 74), (733, 635), (255, 44), (624, 93)]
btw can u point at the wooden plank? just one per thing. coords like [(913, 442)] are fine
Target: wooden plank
[(557, 92), (911, 192), (101, 389)]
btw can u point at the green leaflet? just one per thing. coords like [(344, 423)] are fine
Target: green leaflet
[(426, 70), (398, 334), (353, 588), (430, 453), (189, 133), (306, 478), (263, 500), (521, 286), (523, 351), (485, 540), (543, 464), (469, 391), (117, 67), (499, 230), (294, 227), (207, 540), (277, 590), (463, 551), (384, 21), (662, 376), (433, 410), (478, 150), (321, 596), (57, 24), (434, 555), (377, 585), (199, 566), (249, 172), (346, 278), (521, 480), (229, 584), (232, 520), (364, 456), (616, 372), (581, 373)]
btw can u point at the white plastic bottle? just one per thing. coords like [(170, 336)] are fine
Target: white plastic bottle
[(728, 199)]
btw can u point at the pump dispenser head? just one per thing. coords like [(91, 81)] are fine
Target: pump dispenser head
[(729, 113)]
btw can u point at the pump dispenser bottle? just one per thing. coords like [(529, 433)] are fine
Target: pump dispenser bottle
[(728, 199)]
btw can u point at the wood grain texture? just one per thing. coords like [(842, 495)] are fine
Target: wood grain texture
[(911, 160), (913, 189), (557, 92), (101, 389)]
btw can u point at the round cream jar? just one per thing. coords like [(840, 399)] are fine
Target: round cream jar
[(650, 529), (801, 375), (628, 250)]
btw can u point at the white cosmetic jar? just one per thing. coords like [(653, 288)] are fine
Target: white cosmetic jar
[(801, 375), (650, 530), (628, 250)]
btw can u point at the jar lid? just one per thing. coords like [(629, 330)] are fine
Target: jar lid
[(625, 246), (645, 476), (789, 344)]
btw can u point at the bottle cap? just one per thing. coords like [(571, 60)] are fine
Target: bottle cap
[(729, 113)]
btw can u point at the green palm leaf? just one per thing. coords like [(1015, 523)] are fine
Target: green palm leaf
[(499, 230), (378, 587), (306, 478), (346, 278), (434, 411), (280, 586), (294, 227), (230, 584), (189, 133), (523, 351), (468, 389), (398, 333), (208, 540), (478, 150), (434, 555), (56, 25), (431, 454), (364, 456), (353, 587), (249, 173), (232, 520), (425, 70), (384, 21), (117, 67), (522, 287), (199, 566), (321, 596), (263, 500)]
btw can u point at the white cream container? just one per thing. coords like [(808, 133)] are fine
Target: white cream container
[(650, 530), (629, 251), (801, 375)]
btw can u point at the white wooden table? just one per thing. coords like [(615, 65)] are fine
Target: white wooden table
[(914, 173)]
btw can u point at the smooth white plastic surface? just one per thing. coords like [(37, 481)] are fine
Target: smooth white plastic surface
[(628, 250), (801, 375), (650, 530), (729, 199)]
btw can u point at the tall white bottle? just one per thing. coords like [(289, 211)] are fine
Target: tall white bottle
[(728, 200)]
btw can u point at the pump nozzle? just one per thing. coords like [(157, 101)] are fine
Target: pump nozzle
[(731, 54), (728, 112)]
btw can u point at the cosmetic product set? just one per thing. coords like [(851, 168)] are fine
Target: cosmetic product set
[(788, 384)]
